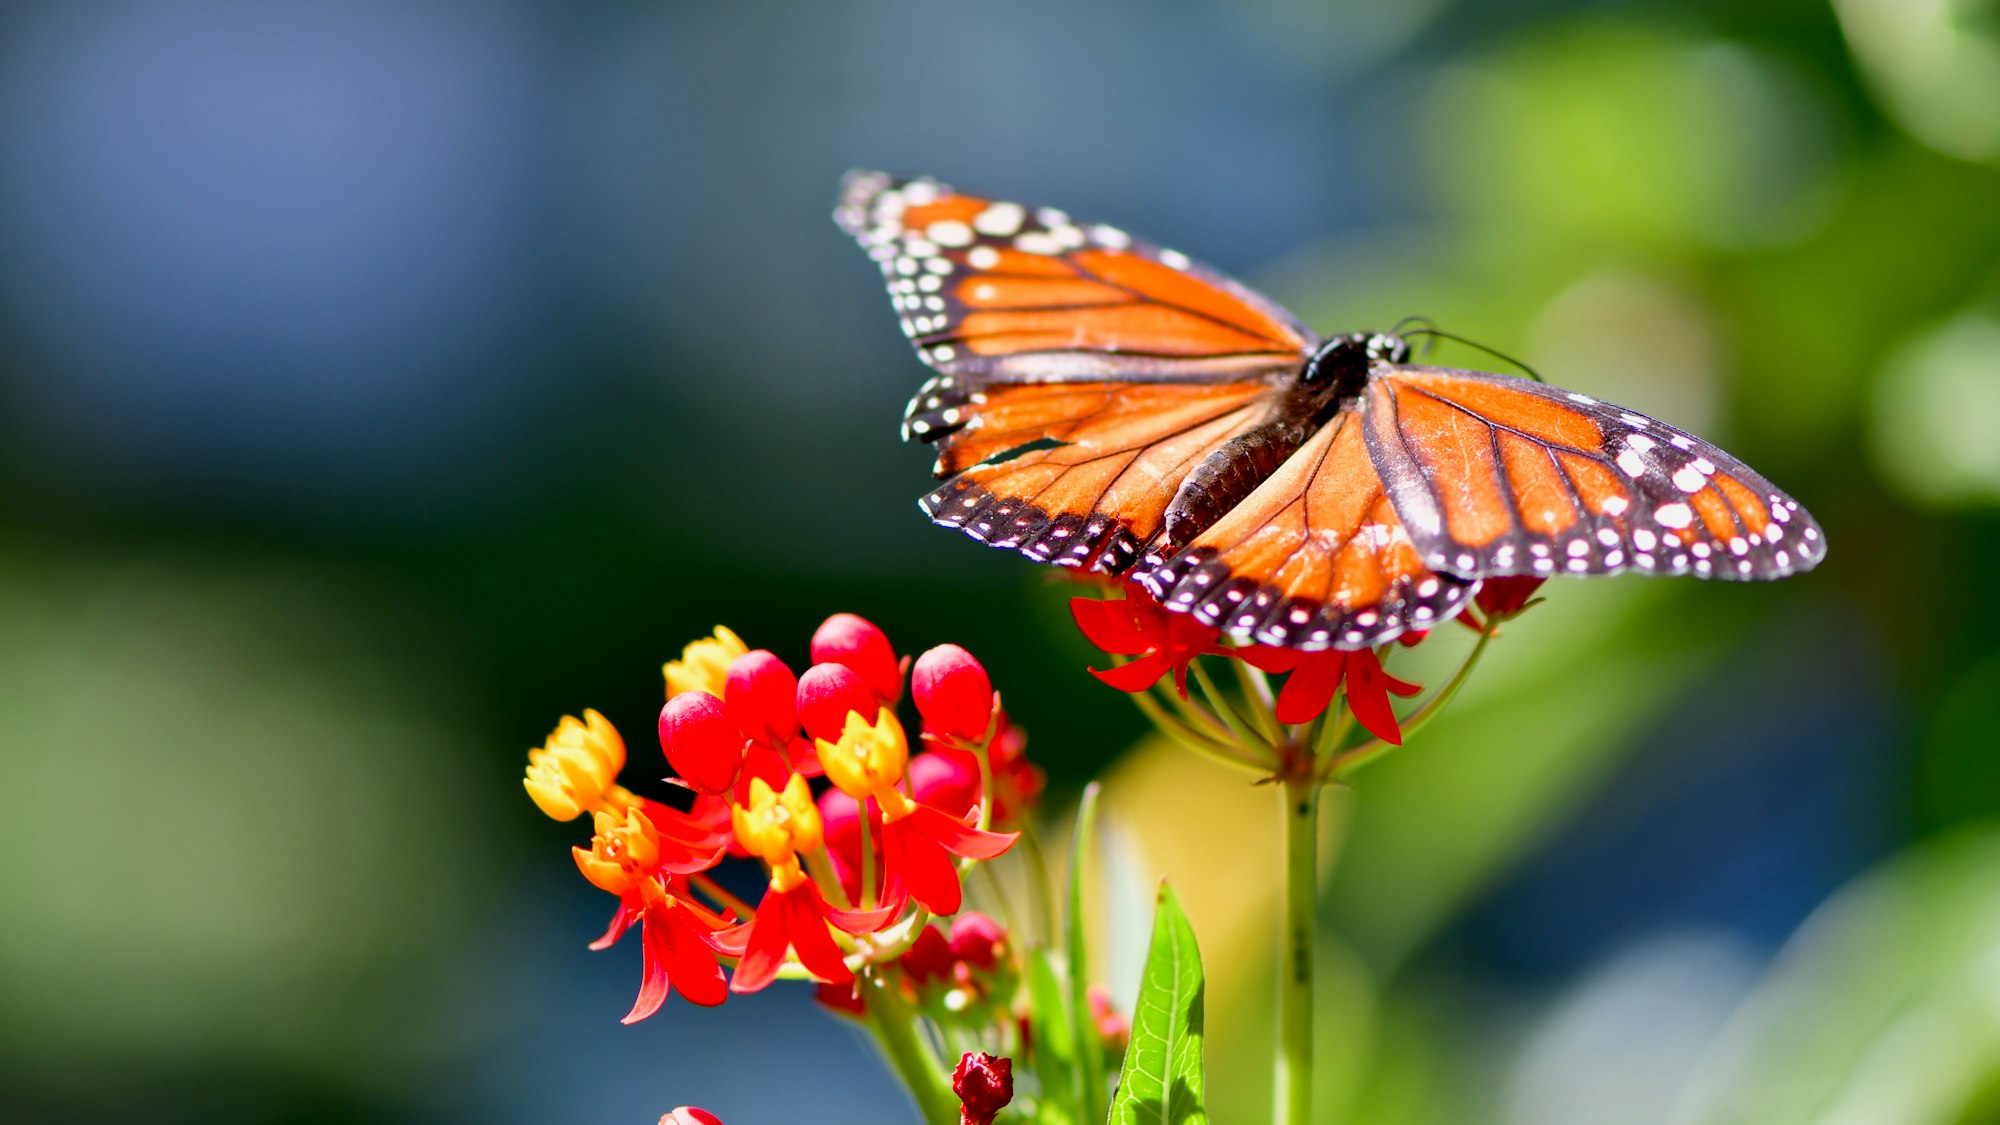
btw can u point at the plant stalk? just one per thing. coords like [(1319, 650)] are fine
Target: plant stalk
[(913, 1060), (1293, 1095)]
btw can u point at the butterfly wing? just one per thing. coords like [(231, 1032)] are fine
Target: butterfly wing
[(1316, 557), (1082, 373), (1495, 475), (992, 291)]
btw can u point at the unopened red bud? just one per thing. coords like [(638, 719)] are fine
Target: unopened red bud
[(1112, 1026), (827, 694), (1507, 595), (977, 940), (762, 698), (858, 644), (845, 999), (700, 742), (984, 1084), (928, 958), (953, 693), (689, 1115)]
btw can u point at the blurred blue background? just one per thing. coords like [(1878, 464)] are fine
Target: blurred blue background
[(379, 382)]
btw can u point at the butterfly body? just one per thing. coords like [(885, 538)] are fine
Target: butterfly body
[(1106, 404)]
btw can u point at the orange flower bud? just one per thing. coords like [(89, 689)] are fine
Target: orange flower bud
[(869, 758), (622, 854), (574, 771), (776, 825)]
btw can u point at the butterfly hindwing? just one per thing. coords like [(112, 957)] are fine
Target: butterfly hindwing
[(1495, 475), (1108, 458), (1314, 558)]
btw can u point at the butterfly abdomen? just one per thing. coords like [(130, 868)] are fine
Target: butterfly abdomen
[(1232, 472)]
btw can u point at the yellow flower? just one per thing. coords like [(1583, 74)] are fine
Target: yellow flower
[(575, 771), (776, 825), (621, 855), (704, 664), (868, 759)]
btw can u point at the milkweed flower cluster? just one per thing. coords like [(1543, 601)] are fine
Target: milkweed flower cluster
[(1287, 731), (813, 777)]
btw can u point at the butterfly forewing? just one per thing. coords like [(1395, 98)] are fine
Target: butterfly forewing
[(1496, 475), (1316, 557), (990, 290)]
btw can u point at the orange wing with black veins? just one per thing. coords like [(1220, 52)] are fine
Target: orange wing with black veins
[(1314, 558), (1495, 475)]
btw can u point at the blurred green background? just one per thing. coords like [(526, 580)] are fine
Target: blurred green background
[(379, 382)]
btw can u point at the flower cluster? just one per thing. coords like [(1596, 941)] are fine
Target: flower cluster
[(812, 776), (1153, 643)]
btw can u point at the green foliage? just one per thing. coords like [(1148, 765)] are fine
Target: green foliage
[(1161, 1083)]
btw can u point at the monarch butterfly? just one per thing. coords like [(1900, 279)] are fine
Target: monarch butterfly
[(1111, 405)]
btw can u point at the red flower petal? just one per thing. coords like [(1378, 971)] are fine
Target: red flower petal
[(653, 983), (806, 913), (920, 867), (1110, 625), (691, 963), (1310, 687), (620, 922), (764, 946), (1368, 696), (1140, 674), (959, 838)]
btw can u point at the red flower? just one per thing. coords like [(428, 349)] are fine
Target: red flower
[(855, 642), (700, 741), (928, 958), (689, 1115), (828, 693), (1112, 1026), (918, 843), (1315, 676), (796, 919), (984, 1084), (953, 693), (948, 777), (678, 942), (844, 999), (977, 940), (1138, 626), (1502, 598)]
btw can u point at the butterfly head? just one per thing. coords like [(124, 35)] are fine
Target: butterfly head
[(1343, 362)]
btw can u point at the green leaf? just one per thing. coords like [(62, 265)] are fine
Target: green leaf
[(1162, 1083), (1076, 957), (1053, 1050)]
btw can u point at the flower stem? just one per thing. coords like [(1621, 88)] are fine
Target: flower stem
[(1345, 762), (1293, 1095), (867, 854), (1237, 724), (913, 1060)]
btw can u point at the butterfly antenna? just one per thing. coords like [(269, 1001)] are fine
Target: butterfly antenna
[(1496, 354), (1428, 328)]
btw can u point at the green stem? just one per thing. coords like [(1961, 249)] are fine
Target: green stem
[(1258, 701), (867, 854), (1044, 892), (1194, 740), (1242, 729), (1293, 1074), (914, 1061)]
